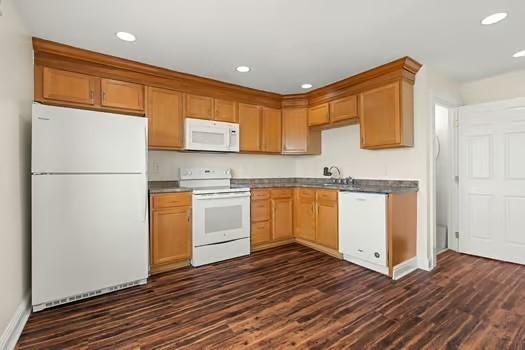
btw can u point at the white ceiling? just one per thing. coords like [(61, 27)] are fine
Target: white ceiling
[(289, 42)]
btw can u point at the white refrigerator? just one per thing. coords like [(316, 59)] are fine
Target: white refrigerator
[(89, 204)]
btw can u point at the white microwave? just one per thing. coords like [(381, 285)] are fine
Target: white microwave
[(209, 135)]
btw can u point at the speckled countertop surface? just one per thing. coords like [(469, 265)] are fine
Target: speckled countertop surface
[(359, 185)]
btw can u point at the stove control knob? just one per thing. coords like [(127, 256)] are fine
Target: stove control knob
[(227, 171)]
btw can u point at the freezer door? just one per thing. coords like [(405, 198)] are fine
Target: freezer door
[(67, 140), (88, 232)]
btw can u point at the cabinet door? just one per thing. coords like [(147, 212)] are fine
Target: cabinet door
[(271, 130), (260, 210), (166, 123), (327, 223), (198, 106), (122, 95), (282, 218), (295, 130), (225, 111), (318, 115), (170, 235), (304, 219), (343, 109), (260, 233), (250, 127), (380, 117), (59, 85)]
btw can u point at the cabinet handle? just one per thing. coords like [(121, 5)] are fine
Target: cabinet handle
[(189, 215), (103, 96), (91, 94)]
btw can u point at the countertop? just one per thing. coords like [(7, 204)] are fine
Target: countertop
[(359, 185)]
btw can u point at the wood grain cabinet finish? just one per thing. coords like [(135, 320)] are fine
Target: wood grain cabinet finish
[(200, 107), (225, 111), (282, 218), (298, 138), (122, 95), (304, 214), (271, 130), (260, 210), (250, 127), (261, 233), (343, 109), (164, 110), (327, 233), (386, 116), (69, 87), (319, 115), (170, 232)]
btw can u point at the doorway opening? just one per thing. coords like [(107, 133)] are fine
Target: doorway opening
[(445, 161)]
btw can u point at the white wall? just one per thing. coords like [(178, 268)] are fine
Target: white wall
[(499, 87), (164, 165), (442, 175), (16, 93)]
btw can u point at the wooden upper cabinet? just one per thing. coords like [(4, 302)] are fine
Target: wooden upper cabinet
[(297, 137), (225, 111), (319, 115), (200, 107), (327, 232), (250, 127), (164, 110), (271, 130), (282, 218), (69, 87), (386, 116), (122, 95), (343, 109)]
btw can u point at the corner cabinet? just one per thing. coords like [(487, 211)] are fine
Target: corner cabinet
[(298, 138), (170, 231), (387, 116)]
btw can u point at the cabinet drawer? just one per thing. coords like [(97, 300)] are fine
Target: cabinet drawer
[(306, 193), (327, 195), (260, 232), (282, 193), (260, 210), (171, 200), (260, 194)]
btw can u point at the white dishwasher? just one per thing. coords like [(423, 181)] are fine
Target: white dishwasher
[(363, 229)]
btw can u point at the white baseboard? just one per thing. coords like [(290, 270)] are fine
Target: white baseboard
[(404, 268), (14, 329), (424, 264)]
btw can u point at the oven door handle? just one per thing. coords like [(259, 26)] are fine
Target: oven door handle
[(221, 196)]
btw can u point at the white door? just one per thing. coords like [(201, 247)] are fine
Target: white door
[(88, 232), (492, 180), (220, 217), (68, 140)]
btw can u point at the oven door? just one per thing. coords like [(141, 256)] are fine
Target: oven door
[(220, 217)]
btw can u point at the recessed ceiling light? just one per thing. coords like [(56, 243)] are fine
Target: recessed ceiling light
[(494, 18), (306, 86), (126, 36), (243, 69), (519, 54)]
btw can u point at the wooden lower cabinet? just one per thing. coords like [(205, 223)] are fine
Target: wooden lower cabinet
[(326, 228), (282, 218), (304, 218), (170, 233)]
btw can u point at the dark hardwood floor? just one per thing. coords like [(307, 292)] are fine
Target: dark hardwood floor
[(295, 297)]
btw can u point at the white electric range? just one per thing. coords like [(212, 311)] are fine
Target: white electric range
[(221, 215)]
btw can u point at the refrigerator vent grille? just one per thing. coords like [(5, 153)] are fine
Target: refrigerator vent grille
[(86, 295)]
